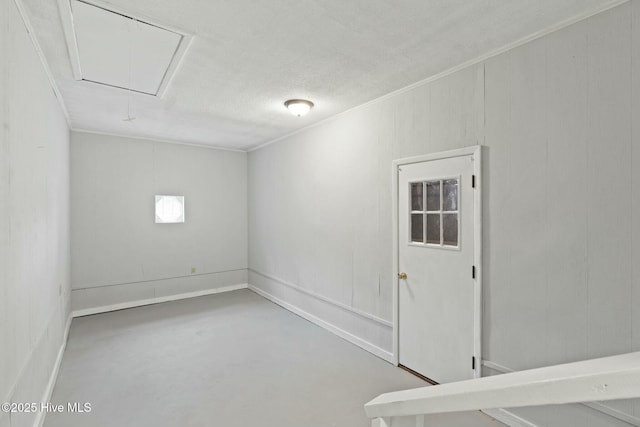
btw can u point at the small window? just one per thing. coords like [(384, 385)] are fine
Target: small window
[(169, 209), (435, 212)]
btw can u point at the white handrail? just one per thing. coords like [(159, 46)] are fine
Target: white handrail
[(608, 378)]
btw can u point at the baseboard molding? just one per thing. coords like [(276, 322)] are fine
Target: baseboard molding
[(48, 392), (365, 345), (612, 412), (496, 367), (508, 418), (324, 299), (157, 300), (596, 406)]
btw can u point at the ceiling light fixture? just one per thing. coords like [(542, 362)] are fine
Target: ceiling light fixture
[(298, 107)]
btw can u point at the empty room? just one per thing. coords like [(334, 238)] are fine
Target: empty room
[(320, 213)]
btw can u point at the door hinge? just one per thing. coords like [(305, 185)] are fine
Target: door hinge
[(473, 181), (473, 363), (473, 271)]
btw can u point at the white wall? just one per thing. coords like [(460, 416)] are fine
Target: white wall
[(559, 117), (119, 254), (34, 220)]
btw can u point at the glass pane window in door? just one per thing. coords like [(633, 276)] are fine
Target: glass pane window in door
[(433, 196), (450, 195), (433, 229), (417, 198), (417, 230), (450, 229)]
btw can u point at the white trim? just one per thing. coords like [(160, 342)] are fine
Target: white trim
[(48, 392), (458, 152), (161, 279), (174, 66), (149, 301), (365, 345), (613, 412), (508, 418), (477, 260), (133, 13), (477, 60), (440, 212), (151, 139), (395, 262), (66, 16), (89, 84), (325, 299), (43, 60), (476, 154), (496, 367), (381, 422)]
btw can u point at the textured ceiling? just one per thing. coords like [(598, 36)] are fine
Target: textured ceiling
[(248, 57)]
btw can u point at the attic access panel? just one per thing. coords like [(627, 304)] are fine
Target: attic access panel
[(121, 51)]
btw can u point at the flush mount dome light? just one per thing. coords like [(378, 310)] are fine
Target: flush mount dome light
[(298, 107)]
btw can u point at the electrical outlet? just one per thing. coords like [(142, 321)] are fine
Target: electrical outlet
[(193, 270)]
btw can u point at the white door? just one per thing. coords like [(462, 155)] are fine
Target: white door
[(436, 300)]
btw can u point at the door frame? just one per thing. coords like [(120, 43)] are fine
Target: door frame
[(476, 152)]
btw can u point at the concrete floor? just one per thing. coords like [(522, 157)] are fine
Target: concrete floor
[(227, 360)]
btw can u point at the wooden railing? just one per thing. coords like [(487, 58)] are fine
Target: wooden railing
[(608, 378)]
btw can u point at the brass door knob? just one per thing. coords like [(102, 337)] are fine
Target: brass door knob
[(402, 276)]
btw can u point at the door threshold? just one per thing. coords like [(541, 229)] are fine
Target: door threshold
[(422, 377)]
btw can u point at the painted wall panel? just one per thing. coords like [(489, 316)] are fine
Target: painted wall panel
[(609, 224), (6, 331), (34, 220), (635, 181), (609, 182), (560, 180), (140, 291), (524, 201), (115, 240), (496, 192), (566, 199), (456, 116)]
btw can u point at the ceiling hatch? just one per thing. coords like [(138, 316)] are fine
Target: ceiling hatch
[(121, 51)]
